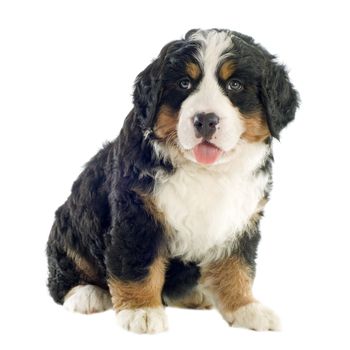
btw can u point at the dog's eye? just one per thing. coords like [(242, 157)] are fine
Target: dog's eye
[(234, 85), (185, 84)]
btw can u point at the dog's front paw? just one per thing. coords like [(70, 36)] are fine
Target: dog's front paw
[(143, 320), (255, 316)]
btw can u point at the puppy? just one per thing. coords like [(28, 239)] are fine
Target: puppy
[(168, 213)]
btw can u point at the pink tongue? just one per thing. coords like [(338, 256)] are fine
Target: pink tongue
[(206, 153)]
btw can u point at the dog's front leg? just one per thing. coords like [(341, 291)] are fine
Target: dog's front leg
[(136, 267), (229, 282), (138, 303)]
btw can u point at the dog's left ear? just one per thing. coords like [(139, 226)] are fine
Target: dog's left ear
[(279, 98), (148, 89)]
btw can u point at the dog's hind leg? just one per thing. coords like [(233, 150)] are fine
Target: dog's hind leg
[(69, 286), (87, 299), (63, 275), (74, 281)]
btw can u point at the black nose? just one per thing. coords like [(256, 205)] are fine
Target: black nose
[(205, 125)]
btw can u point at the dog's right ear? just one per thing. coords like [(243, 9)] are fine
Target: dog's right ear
[(148, 89)]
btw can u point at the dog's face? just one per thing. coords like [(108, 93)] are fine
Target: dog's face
[(208, 93)]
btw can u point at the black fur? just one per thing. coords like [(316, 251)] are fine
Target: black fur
[(180, 278), (247, 248), (279, 98), (104, 219), (62, 273)]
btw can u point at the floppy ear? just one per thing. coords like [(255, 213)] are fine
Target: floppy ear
[(279, 98), (148, 89), (147, 92)]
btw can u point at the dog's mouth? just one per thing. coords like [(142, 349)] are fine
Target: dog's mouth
[(206, 153)]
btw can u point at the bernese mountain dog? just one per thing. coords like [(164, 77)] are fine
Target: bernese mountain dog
[(168, 213)]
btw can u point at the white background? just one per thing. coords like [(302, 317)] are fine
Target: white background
[(66, 75)]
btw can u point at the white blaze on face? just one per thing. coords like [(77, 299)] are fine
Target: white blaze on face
[(209, 98)]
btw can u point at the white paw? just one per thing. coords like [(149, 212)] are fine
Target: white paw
[(255, 316), (145, 320), (87, 299)]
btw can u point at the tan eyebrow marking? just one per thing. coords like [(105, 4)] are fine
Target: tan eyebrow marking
[(227, 69), (193, 70)]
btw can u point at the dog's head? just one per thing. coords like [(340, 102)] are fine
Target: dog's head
[(211, 91)]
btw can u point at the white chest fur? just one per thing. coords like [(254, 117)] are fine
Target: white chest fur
[(206, 208)]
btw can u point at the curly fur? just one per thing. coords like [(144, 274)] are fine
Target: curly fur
[(106, 219)]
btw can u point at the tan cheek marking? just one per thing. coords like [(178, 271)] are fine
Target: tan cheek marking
[(144, 293), (83, 265), (166, 123), (193, 70), (229, 282), (256, 128), (227, 70)]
